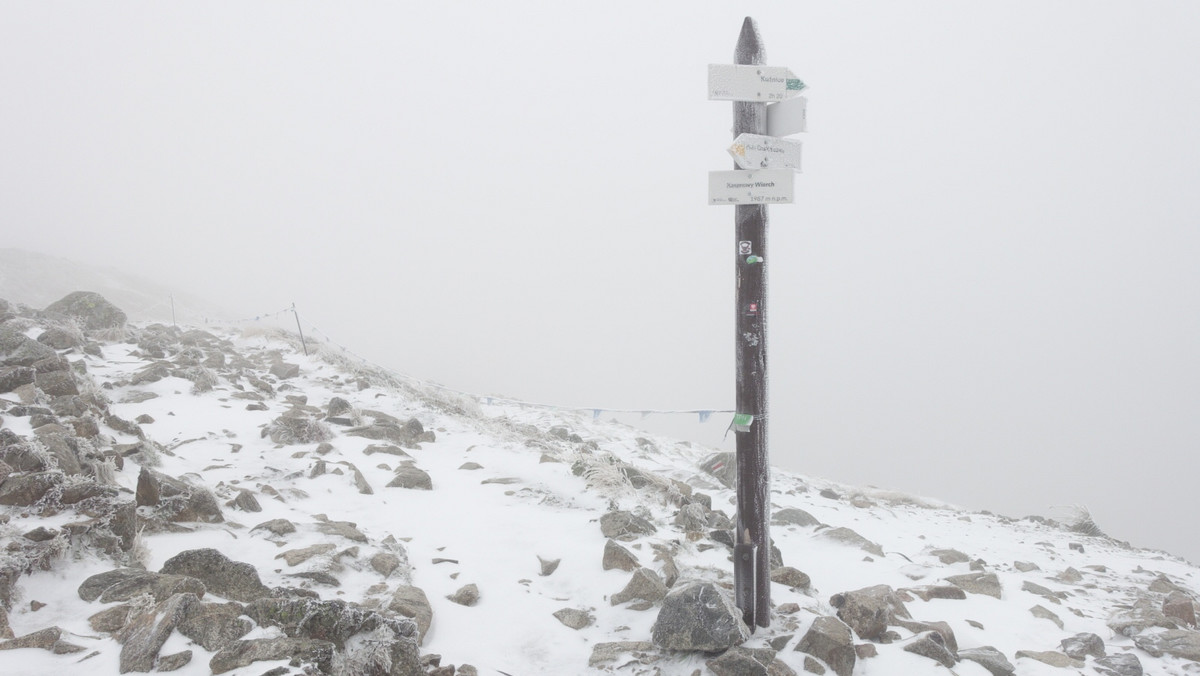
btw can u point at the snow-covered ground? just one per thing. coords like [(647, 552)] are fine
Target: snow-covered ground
[(511, 484)]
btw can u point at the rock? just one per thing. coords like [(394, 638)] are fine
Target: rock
[(94, 586), (60, 338), (1162, 585), (609, 652), (624, 524), (408, 476), (289, 430), (1178, 606), (548, 566), (91, 310), (1025, 567), (243, 653), (1081, 645), (949, 556), (335, 621), (277, 526), (344, 529), (722, 466), (692, 518), (1046, 614), (989, 658), (930, 644), (943, 629), (5, 630), (670, 571), (17, 349), (27, 489), (1126, 664), (174, 661), (385, 563), (830, 640), (793, 516), (160, 587), (645, 584), (295, 557), (46, 639), (111, 619), (698, 616), (407, 434), (215, 625), (146, 632), (977, 583), (575, 618), (223, 577), (12, 377), (467, 595), (179, 501), (1051, 657), (245, 501), (740, 661), (929, 592), (337, 407), (412, 603), (618, 557), (1142, 615), (1181, 643), (869, 611), (320, 577), (284, 371), (57, 383), (847, 536)]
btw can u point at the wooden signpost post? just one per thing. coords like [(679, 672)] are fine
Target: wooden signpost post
[(766, 167)]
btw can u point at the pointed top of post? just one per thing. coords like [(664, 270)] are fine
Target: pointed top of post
[(749, 50)]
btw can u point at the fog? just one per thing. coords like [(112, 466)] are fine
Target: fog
[(987, 290)]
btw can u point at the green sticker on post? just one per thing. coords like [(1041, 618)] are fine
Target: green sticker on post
[(742, 422)]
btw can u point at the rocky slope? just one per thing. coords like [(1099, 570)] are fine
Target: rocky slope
[(213, 501)]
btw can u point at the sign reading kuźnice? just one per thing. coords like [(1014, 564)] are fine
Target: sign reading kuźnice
[(731, 82)]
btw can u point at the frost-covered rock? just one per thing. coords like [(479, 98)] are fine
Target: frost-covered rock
[(221, 576), (869, 611), (698, 616), (90, 309), (829, 640)]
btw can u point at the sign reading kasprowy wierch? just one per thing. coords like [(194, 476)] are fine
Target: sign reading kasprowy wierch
[(755, 151), (731, 82), (760, 186)]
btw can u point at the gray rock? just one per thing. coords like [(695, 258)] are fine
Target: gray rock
[(26, 489), (411, 477), (645, 585), (412, 603), (245, 501), (214, 625), (548, 566), (289, 430), (1181, 643), (943, 629), (283, 370), (575, 618), (174, 661), (17, 349), (935, 591), (1044, 592), (1179, 607), (406, 434), (146, 632), (698, 616), (1144, 613), (320, 577), (723, 467), (610, 652), (1051, 657), (57, 383), (741, 661), (46, 639), (337, 407), (294, 557), (869, 611), (277, 526), (346, 529), (244, 653), (977, 583), (618, 557), (385, 563), (112, 619), (5, 630), (90, 309), (157, 585), (692, 518), (1025, 566), (794, 516), (1125, 664), (830, 640), (221, 576), (624, 524), (12, 377), (1046, 614), (930, 644), (950, 556), (94, 586), (60, 338), (849, 537), (334, 621), (1081, 645), (989, 658), (467, 595)]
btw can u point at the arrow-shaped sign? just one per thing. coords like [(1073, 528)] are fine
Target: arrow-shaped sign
[(754, 151), (785, 118), (729, 82)]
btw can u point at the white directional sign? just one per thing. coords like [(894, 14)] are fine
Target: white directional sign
[(785, 118), (754, 151), (759, 186), (729, 82)]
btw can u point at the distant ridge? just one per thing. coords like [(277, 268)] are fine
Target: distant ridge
[(37, 279)]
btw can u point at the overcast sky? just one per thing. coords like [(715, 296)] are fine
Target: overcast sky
[(987, 291)]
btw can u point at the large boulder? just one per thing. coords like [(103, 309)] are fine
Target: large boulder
[(1175, 642), (869, 611), (221, 576), (645, 585), (17, 349), (977, 583), (699, 616), (90, 309), (411, 602), (989, 658), (620, 524), (830, 640), (146, 632), (243, 653), (334, 621)]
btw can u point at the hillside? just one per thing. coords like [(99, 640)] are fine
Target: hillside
[(214, 501)]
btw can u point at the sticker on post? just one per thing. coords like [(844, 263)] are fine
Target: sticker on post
[(752, 309), (742, 422), (745, 247)]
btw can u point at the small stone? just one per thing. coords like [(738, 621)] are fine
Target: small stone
[(466, 596), (575, 618), (548, 565), (618, 557)]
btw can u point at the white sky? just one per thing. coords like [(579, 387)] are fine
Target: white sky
[(988, 290)]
